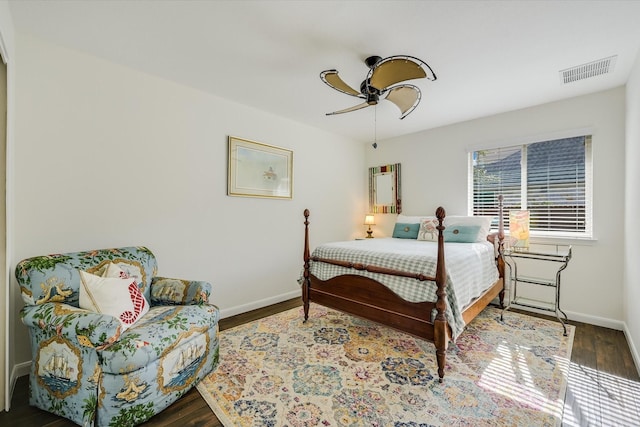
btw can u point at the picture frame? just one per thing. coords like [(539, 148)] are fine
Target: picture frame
[(385, 191), (259, 170)]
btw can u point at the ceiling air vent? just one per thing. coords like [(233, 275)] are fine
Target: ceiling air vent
[(591, 69)]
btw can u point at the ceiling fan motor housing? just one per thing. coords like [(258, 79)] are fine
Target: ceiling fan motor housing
[(372, 94)]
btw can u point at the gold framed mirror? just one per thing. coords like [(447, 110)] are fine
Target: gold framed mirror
[(384, 189)]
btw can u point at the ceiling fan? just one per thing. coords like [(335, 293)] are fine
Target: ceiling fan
[(383, 73)]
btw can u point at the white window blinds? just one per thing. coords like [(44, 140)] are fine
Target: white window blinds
[(551, 179)]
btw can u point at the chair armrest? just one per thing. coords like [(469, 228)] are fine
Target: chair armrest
[(168, 291), (84, 327)]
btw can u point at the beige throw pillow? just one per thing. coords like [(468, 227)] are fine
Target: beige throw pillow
[(428, 230)]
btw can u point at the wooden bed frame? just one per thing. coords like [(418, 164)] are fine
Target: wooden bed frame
[(367, 298)]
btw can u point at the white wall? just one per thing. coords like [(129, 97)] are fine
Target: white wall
[(107, 156), (434, 173), (631, 294), (7, 49)]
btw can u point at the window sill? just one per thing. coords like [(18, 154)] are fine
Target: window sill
[(559, 240), (574, 241)]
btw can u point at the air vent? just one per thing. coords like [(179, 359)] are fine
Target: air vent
[(586, 71)]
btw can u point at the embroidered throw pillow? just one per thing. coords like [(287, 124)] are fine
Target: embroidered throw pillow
[(428, 230), (114, 294)]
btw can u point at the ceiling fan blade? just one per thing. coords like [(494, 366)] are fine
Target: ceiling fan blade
[(347, 110), (396, 69), (331, 78), (406, 98)]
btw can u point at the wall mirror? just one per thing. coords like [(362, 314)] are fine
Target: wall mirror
[(384, 189)]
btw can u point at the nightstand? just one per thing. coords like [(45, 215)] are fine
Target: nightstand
[(558, 254)]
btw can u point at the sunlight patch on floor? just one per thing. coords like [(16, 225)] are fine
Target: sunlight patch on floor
[(596, 398), (510, 375)]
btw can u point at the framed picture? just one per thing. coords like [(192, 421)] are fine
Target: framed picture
[(384, 189), (259, 170)]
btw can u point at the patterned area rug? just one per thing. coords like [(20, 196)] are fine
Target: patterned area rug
[(339, 370)]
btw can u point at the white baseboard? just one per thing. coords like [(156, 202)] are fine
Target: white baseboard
[(595, 320), (232, 311), (19, 370), (632, 347), (22, 369), (580, 317)]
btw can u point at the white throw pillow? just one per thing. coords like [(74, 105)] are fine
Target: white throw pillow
[(117, 296), (406, 219)]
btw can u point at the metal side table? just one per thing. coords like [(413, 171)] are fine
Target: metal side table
[(560, 254)]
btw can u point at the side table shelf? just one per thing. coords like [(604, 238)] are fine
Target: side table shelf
[(560, 254)]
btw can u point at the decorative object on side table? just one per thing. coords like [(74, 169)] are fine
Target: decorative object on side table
[(519, 229), (369, 220)]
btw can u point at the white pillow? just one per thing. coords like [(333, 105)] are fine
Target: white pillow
[(115, 294), (483, 221), (405, 219)]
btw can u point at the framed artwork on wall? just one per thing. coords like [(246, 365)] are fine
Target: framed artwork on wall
[(259, 170)]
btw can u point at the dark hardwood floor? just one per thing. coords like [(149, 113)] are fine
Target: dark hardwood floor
[(604, 386)]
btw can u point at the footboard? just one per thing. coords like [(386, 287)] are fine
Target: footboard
[(364, 297), (372, 300)]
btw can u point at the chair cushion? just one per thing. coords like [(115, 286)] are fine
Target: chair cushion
[(167, 332)]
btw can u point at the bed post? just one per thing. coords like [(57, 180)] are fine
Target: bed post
[(500, 260), (306, 283), (441, 336)]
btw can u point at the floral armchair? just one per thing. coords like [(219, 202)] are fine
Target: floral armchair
[(86, 366)]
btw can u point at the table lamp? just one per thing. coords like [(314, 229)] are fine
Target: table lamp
[(369, 220)]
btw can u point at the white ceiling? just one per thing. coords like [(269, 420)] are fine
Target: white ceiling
[(489, 56)]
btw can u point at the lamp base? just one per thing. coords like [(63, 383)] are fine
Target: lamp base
[(369, 233)]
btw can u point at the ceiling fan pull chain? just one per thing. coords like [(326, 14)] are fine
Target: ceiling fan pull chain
[(375, 127)]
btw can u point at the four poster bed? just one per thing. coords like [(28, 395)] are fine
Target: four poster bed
[(412, 294)]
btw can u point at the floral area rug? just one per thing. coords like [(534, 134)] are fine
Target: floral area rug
[(340, 370)]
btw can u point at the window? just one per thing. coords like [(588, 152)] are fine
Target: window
[(550, 179)]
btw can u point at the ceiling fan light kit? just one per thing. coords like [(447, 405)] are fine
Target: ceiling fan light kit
[(382, 75)]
